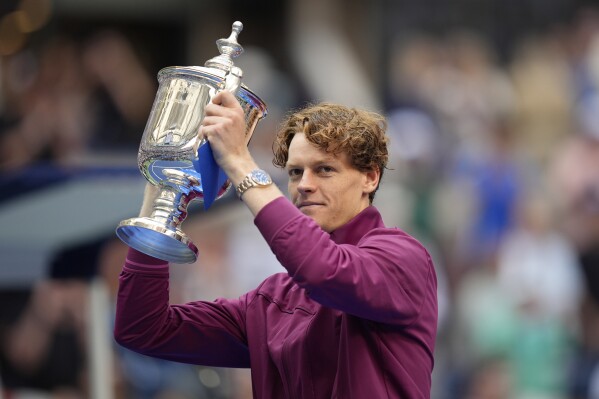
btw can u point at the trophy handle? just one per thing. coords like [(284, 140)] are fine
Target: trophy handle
[(233, 80)]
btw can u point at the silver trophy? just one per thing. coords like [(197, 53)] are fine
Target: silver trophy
[(171, 151)]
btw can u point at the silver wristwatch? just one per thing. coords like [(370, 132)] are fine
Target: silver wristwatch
[(256, 178)]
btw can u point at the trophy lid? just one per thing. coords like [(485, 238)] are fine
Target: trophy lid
[(216, 69), (220, 66), (229, 48)]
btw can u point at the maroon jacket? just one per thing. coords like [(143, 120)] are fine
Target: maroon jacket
[(355, 316)]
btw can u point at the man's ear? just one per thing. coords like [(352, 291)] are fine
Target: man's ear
[(372, 179)]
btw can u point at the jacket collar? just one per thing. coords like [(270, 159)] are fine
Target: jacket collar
[(356, 228)]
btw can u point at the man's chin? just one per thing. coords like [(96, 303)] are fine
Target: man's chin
[(307, 212), (312, 212)]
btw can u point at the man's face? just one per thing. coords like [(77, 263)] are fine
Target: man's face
[(325, 186)]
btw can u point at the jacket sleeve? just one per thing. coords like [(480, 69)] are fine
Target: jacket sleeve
[(207, 333), (386, 277)]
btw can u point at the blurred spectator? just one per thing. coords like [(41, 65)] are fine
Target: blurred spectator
[(73, 99), (544, 97), (490, 379), (123, 92), (52, 119), (416, 147), (538, 267), (457, 79), (539, 275), (484, 327), (496, 180), (575, 178), (44, 350)]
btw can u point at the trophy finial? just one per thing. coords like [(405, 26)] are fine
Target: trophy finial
[(229, 48)]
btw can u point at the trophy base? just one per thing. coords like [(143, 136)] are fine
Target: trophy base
[(157, 240)]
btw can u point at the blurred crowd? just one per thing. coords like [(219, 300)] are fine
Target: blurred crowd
[(500, 165), (70, 100), (494, 166)]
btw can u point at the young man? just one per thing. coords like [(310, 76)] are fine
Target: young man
[(355, 314)]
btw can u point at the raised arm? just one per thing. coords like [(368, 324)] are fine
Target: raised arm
[(207, 333), (386, 277)]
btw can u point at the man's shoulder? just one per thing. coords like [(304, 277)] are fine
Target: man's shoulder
[(390, 233), (394, 239)]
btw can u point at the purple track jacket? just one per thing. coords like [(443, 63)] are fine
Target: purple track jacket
[(354, 316)]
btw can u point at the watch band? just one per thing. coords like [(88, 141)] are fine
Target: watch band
[(256, 178)]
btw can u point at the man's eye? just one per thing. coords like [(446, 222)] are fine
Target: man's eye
[(294, 172), (326, 169)]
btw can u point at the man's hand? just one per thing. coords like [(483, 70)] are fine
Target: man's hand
[(224, 127)]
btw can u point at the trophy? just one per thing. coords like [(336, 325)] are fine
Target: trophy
[(174, 159)]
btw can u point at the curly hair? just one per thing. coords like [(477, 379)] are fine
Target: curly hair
[(337, 129)]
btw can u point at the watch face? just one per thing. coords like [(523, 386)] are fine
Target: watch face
[(261, 177)]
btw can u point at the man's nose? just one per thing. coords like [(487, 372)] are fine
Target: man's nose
[(307, 183)]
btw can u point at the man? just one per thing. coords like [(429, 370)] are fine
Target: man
[(355, 314)]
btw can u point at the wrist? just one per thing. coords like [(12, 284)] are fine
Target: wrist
[(137, 257), (239, 169), (257, 178)]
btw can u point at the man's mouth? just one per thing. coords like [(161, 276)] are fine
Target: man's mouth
[(307, 204)]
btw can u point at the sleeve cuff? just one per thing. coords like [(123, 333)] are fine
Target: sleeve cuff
[(138, 261)]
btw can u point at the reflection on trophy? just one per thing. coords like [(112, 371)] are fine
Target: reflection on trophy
[(172, 157)]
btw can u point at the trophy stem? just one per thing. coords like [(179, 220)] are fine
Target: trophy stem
[(160, 235), (170, 207)]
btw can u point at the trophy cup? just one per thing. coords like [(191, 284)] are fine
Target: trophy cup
[(171, 154)]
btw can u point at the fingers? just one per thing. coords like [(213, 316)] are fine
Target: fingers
[(223, 104), (213, 109), (213, 113), (222, 116), (210, 120), (225, 99), (214, 125)]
